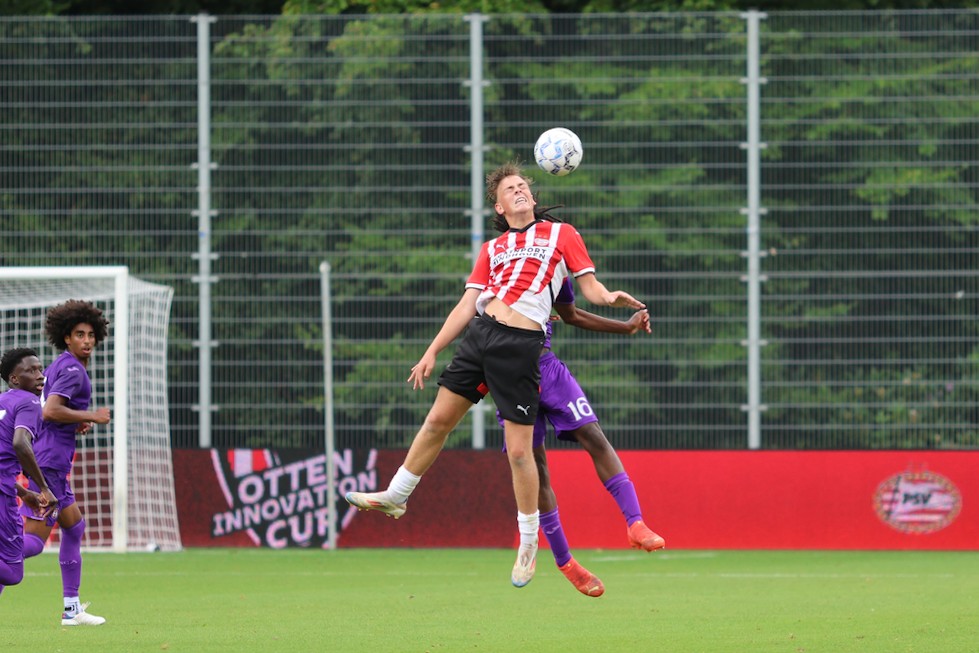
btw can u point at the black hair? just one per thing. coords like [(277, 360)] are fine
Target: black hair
[(11, 359), (540, 213), (63, 318)]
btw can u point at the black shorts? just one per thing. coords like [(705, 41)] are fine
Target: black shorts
[(502, 360)]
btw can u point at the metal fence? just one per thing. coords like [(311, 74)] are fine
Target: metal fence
[(792, 194)]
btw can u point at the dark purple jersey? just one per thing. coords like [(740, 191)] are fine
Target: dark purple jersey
[(67, 377), (564, 296), (562, 401), (19, 409)]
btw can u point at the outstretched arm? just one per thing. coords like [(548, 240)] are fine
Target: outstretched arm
[(454, 325), (575, 316), (596, 292)]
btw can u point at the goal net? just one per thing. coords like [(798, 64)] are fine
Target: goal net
[(123, 472)]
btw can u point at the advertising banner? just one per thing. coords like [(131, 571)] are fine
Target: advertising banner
[(695, 499), (780, 499)]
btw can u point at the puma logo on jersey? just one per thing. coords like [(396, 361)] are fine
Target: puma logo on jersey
[(523, 409)]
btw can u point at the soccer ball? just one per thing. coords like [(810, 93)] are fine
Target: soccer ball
[(558, 151)]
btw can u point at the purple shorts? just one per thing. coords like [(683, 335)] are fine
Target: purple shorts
[(562, 402), (11, 530), (58, 483)]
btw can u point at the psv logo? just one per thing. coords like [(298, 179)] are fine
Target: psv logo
[(917, 502)]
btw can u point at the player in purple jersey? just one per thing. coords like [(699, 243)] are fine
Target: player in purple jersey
[(20, 422), (564, 404), (76, 328)]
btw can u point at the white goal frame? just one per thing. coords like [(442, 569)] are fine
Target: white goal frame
[(120, 324)]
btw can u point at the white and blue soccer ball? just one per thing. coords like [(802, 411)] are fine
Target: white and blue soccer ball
[(558, 151)]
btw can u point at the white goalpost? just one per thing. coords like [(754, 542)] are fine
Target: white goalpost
[(123, 472)]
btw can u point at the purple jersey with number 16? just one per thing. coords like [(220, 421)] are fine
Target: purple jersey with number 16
[(562, 401)]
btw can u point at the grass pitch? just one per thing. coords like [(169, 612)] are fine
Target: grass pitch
[(381, 600)]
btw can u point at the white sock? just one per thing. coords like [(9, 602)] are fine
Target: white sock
[(528, 525), (402, 485), (72, 604)]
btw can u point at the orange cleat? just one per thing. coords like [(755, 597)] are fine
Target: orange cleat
[(584, 581), (640, 537)]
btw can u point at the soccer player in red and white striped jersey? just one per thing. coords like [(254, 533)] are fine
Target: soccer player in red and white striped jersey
[(503, 312)]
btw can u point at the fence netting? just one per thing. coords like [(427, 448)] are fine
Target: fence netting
[(349, 139)]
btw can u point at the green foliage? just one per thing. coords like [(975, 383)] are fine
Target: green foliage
[(367, 171), (383, 7), (33, 7)]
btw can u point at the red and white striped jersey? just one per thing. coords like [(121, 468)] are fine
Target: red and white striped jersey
[(525, 269)]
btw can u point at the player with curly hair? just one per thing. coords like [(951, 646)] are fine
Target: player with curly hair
[(20, 423), (76, 328)]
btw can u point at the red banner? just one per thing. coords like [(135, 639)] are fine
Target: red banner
[(695, 499), (780, 499)]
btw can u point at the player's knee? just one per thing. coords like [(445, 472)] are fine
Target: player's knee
[(520, 455), (593, 439), (435, 428), (11, 573), (75, 531), (33, 545), (441, 419)]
